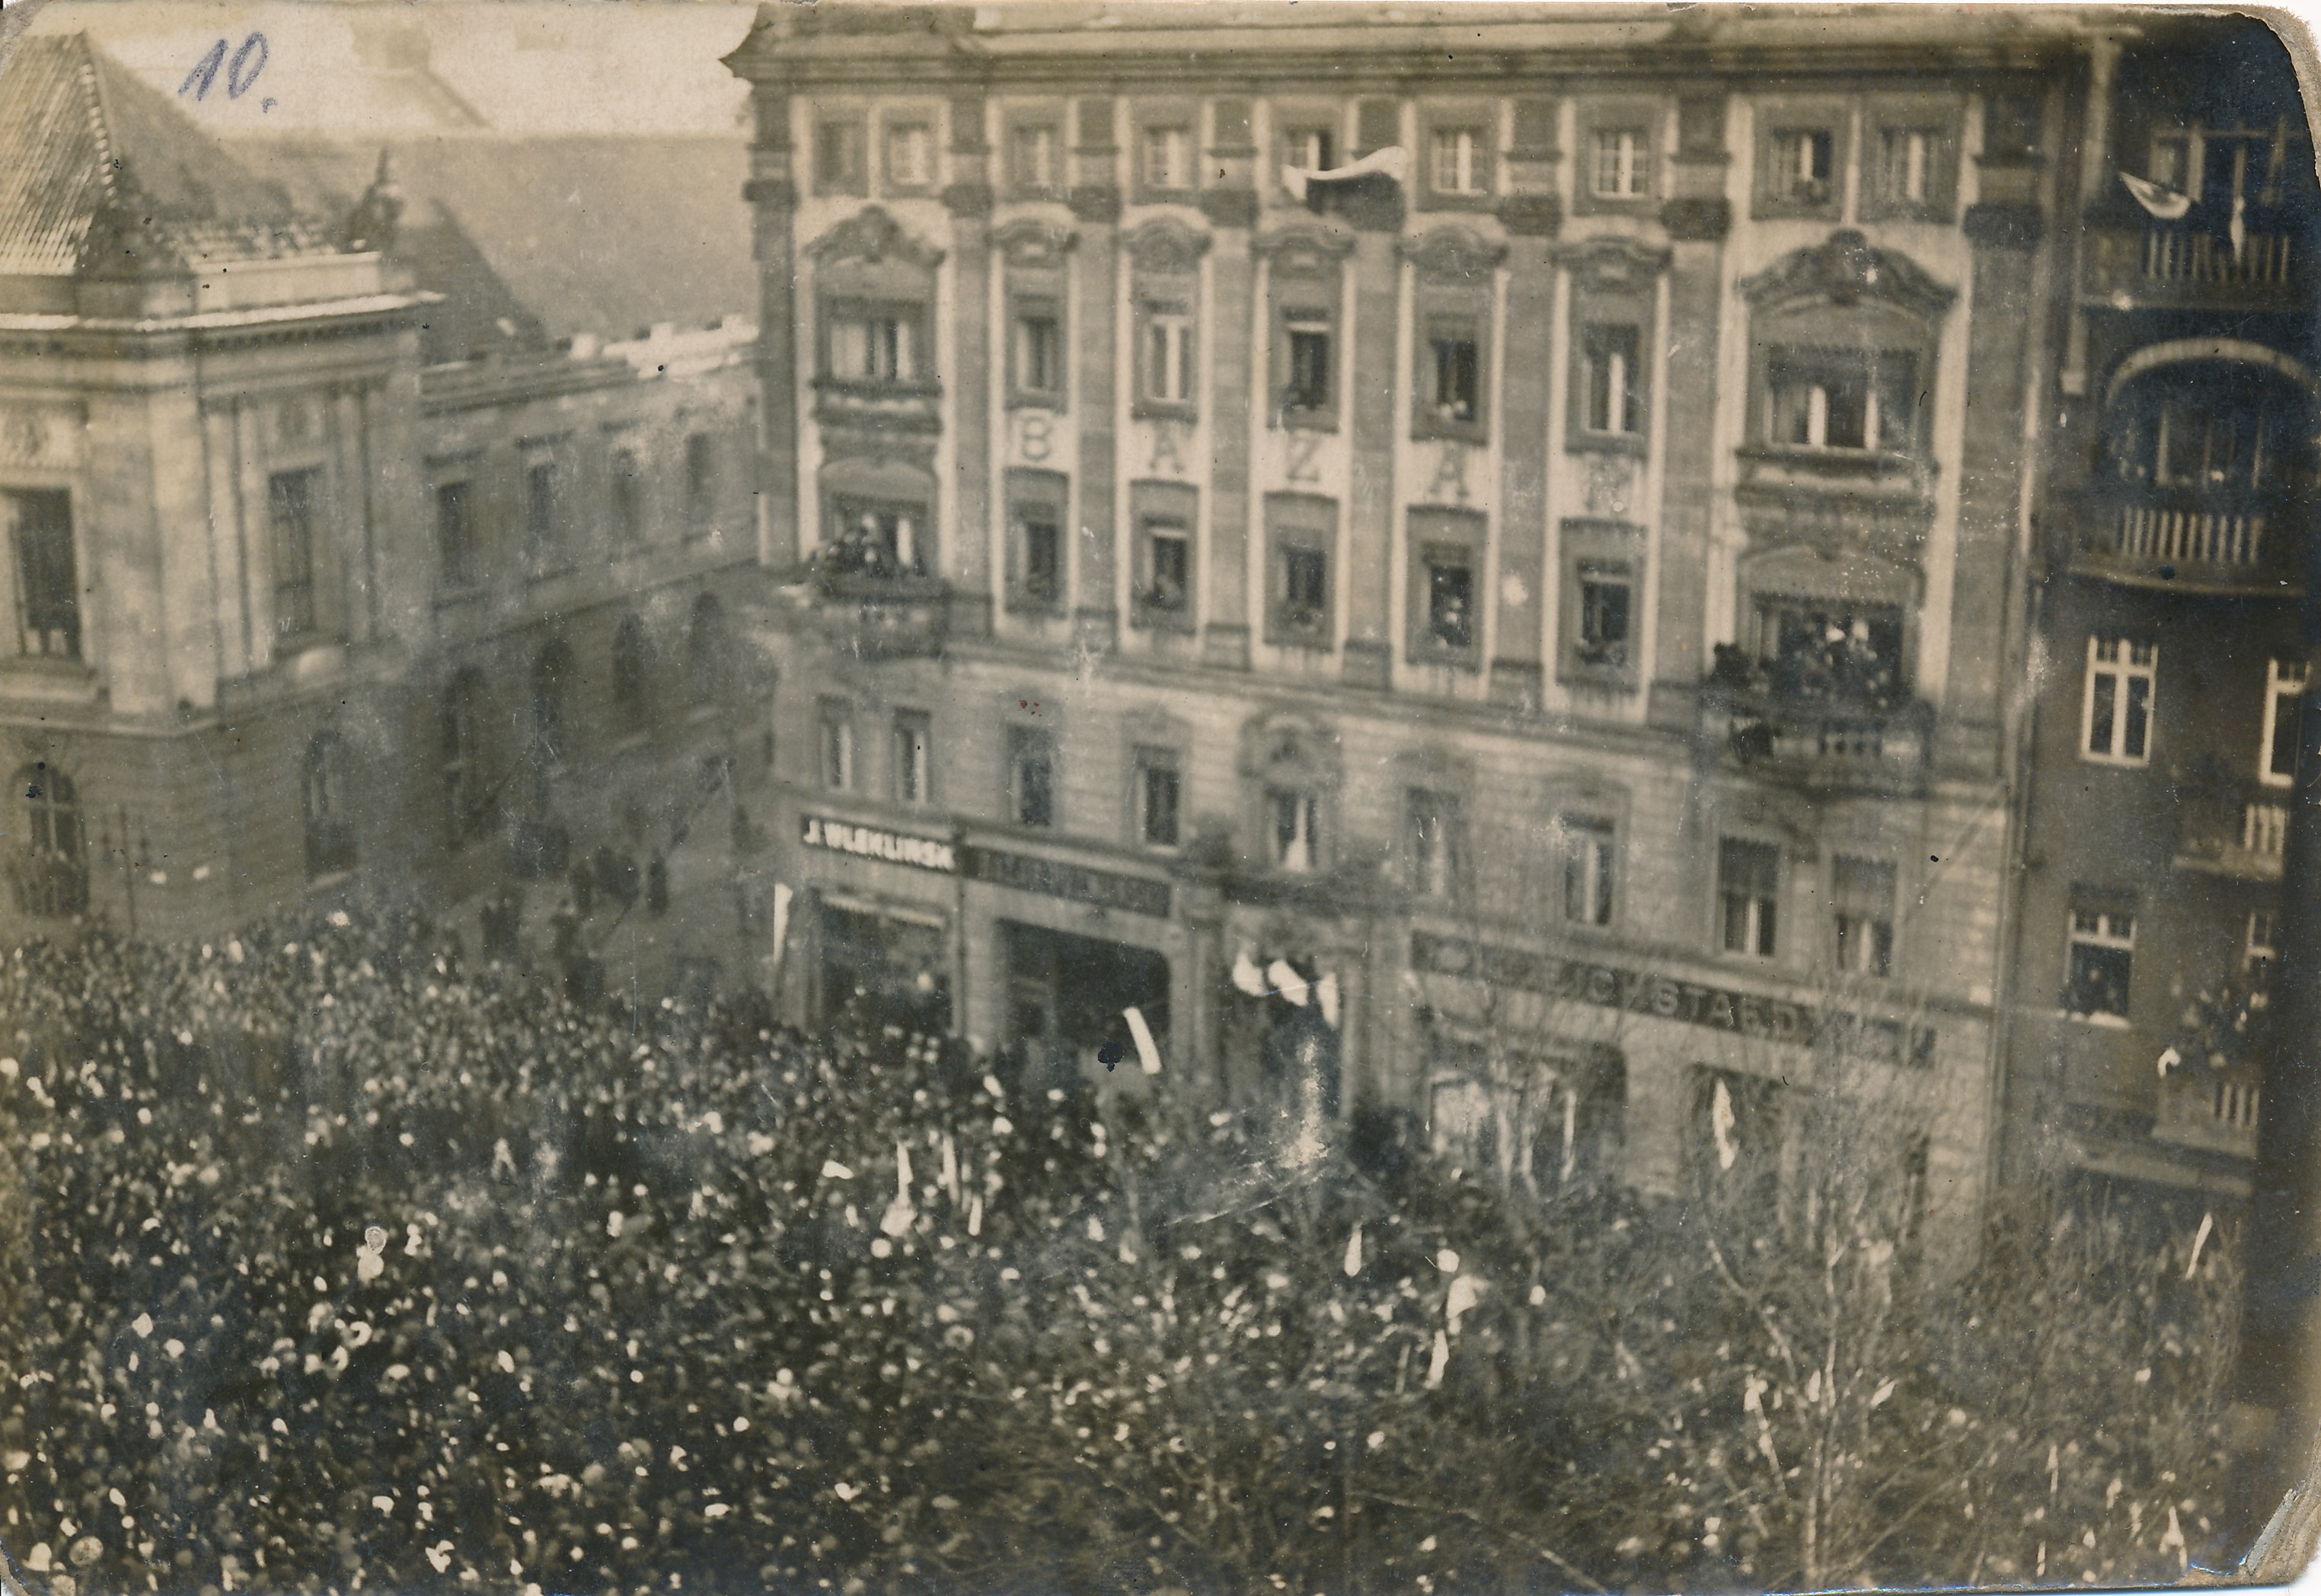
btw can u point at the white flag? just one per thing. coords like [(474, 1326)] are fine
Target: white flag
[(1720, 1123), (1393, 160), (2165, 204), (1148, 1052), (1286, 982), (2239, 227), (1441, 1361), (1247, 978), (902, 1172), (1325, 993), (1355, 1252), (1465, 1292), (2199, 1240), (782, 922)]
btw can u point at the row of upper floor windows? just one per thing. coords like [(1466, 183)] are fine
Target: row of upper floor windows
[(550, 505), (2120, 708)]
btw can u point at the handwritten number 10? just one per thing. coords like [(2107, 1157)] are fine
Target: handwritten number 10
[(251, 55)]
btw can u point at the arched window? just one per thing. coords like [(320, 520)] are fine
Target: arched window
[(322, 805), (629, 673), (51, 873), (549, 673), (2216, 431), (708, 665), (466, 796)]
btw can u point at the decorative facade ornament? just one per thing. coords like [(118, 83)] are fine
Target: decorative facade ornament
[(1166, 247), (1847, 268), (1613, 265), (372, 222), (1611, 483), (1306, 249), (871, 235), (1030, 242), (1454, 254)]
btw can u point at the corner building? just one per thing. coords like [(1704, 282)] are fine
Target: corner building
[(1577, 547)]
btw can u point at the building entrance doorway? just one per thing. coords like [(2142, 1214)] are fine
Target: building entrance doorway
[(1066, 995)]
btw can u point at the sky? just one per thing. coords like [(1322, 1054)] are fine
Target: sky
[(402, 67)]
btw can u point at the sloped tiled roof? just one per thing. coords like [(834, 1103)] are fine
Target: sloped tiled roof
[(603, 236), (85, 137)]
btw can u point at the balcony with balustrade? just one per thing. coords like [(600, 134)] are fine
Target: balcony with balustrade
[(1802, 723), (2227, 830), (2209, 1109), (2189, 541), (2193, 264)]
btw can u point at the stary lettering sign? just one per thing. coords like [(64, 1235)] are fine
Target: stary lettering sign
[(868, 842), (1608, 986)]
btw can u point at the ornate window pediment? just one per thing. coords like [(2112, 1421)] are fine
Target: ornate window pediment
[(1613, 265), (1290, 748), (1030, 243), (1846, 268), (1306, 250), (1454, 254), (871, 235), (1166, 247)]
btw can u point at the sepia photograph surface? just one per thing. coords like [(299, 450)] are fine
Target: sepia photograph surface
[(1154, 800)]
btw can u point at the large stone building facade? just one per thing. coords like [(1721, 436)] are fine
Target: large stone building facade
[(295, 610), (1513, 531)]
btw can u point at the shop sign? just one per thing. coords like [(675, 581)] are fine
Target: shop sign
[(1609, 986), (1052, 878), (868, 841)]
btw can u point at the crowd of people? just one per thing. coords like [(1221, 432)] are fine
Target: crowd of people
[(334, 1258)]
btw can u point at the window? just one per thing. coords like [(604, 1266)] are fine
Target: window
[(1821, 647), (1748, 891), (2212, 430), (869, 538), (837, 739), (2117, 720), (1037, 532), (1168, 158), (1450, 598), (1612, 394), (1604, 593), (455, 536), (322, 805), (1434, 845), (1588, 846), (838, 157), (1309, 148), (910, 155), (1167, 352), (1862, 899), (1307, 390), (2101, 960), (1158, 797), (1165, 590), (629, 674), (1801, 170), (1621, 169), (913, 774), (540, 512), (1461, 156), (48, 581), (700, 481), (1305, 589), (708, 653), (874, 344), (1036, 351), (549, 672), (1906, 165), (1031, 777), (466, 796), (1456, 363), (1034, 157), (1293, 831), (51, 873), (627, 485), (2284, 696), (2258, 958), (290, 501), (1840, 399)]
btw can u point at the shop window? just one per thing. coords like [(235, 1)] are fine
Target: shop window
[(625, 484), (1165, 354), (870, 538), (700, 482), (910, 156), (2100, 958), (628, 675), (835, 720), (1031, 777), (1035, 166), (1862, 899), (456, 553), (1035, 536), (51, 871), (1158, 797), (914, 770), (2284, 696), (840, 155), (1035, 351), (1589, 847), (323, 806), (1748, 894), (873, 343), (1611, 380), (1434, 845), (293, 508), (1842, 400), (467, 802), (48, 583), (1166, 158), (2115, 720)]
